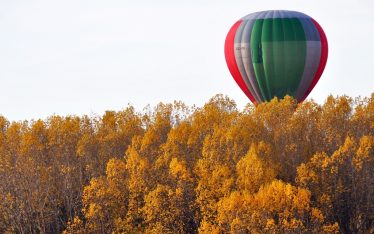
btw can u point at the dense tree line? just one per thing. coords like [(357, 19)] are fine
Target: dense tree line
[(280, 167)]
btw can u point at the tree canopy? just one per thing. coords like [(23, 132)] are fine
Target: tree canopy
[(279, 167)]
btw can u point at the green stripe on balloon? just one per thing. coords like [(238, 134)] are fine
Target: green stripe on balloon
[(257, 58), (278, 55), (281, 29)]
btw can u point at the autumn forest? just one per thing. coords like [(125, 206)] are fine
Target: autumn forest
[(280, 167)]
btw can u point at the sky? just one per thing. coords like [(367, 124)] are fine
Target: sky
[(76, 57)]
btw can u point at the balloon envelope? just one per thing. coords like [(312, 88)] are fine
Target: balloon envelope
[(276, 53)]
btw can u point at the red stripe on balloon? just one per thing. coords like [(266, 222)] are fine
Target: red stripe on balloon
[(231, 61), (322, 60)]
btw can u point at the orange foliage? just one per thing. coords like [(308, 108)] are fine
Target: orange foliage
[(280, 167)]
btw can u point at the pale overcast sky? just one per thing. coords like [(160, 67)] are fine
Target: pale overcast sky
[(76, 57)]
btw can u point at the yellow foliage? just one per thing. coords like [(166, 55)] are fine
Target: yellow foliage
[(179, 170), (279, 167), (253, 172), (317, 215), (332, 228), (74, 227), (208, 228), (364, 152)]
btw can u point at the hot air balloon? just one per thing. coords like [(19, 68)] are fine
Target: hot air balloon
[(276, 53)]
